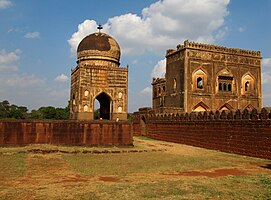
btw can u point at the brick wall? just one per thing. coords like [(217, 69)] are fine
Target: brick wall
[(104, 133), (235, 132)]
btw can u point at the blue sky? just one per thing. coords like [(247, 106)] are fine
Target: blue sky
[(38, 39)]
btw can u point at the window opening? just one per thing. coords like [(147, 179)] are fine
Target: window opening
[(225, 87), (225, 83), (246, 86), (199, 83), (229, 87), (220, 86)]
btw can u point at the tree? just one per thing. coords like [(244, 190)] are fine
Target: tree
[(4, 109), (35, 114), (48, 112), (21, 112), (129, 116), (62, 114), (17, 112), (97, 114)]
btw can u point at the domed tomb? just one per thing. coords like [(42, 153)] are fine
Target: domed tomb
[(98, 76), (98, 46)]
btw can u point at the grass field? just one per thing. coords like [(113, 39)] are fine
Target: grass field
[(150, 170)]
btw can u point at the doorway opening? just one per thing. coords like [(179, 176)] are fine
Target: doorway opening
[(102, 106)]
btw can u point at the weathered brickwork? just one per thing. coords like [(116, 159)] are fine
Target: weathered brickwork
[(94, 133), (203, 77), (98, 75), (245, 133)]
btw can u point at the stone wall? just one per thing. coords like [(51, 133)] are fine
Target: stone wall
[(94, 133), (245, 133)]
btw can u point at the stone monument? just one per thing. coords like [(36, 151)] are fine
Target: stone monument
[(98, 75)]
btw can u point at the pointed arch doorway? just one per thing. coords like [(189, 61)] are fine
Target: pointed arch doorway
[(104, 108)]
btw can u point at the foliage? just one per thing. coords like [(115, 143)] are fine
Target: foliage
[(4, 109), (129, 116), (51, 112), (97, 114), (21, 112), (12, 111)]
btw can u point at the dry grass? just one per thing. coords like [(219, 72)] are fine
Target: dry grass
[(159, 170)]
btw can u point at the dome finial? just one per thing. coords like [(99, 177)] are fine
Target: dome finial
[(99, 27)]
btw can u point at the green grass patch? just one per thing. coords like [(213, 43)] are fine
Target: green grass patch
[(138, 175), (131, 163), (12, 165), (150, 190), (248, 187)]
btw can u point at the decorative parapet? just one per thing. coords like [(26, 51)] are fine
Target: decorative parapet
[(264, 114), (214, 48), (158, 80)]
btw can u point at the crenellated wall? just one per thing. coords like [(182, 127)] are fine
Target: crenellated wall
[(245, 133), (103, 133)]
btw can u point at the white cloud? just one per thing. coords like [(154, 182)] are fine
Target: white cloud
[(134, 62), (62, 78), (84, 29), (146, 90), (9, 60), (266, 81), (266, 78), (163, 25), (5, 4), (242, 29), (32, 35), (221, 33), (28, 89), (19, 81), (159, 70), (266, 71), (32, 91), (266, 62)]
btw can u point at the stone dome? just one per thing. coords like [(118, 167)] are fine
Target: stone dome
[(98, 46)]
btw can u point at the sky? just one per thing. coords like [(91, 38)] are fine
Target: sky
[(38, 41)]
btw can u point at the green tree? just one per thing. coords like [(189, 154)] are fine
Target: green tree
[(4, 109), (97, 114), (35, 114), (129, 116), (17, 112), (62, 114), (48, 112)]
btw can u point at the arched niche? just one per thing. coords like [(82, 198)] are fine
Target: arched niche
[(199, 80), (248, 84), (105, 105)]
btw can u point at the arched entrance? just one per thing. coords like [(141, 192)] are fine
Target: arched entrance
[(104, 101)]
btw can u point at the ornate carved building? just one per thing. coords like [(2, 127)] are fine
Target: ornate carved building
[(202, 77), (98, 75)]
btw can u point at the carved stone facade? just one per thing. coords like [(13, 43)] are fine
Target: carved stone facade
[(98, 76), (202, 77)]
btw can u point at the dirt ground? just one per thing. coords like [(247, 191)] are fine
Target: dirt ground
[(50, 176)]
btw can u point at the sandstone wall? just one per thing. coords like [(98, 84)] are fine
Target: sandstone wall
[(104, 133), (247, 133)]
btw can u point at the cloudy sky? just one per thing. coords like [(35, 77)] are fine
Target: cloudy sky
[(38, 41)]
